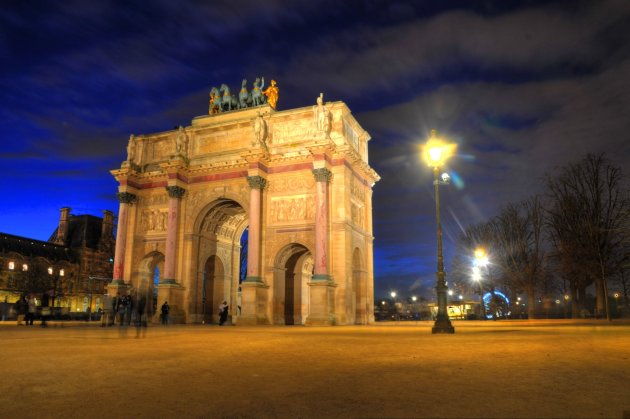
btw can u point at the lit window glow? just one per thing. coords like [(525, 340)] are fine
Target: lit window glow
[(11, 265)]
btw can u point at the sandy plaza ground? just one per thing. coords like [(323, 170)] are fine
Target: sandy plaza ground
[(505, 369)]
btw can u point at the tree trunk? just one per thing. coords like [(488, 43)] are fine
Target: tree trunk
[(531, 304)]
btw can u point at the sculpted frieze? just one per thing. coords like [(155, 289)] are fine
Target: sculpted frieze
[(291, 184), (162, 149), (357, 215), (357, 189), (293, 208), (154, 220), (153, 200), (289, 132), (351, 135)]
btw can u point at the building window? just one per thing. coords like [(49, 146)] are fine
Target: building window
[(11, 265), (50, 271), (61, 272), (24, 267)]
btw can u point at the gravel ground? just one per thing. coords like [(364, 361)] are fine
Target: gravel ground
[(508, 369)]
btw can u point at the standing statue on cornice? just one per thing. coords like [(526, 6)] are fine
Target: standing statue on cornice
[(181, 142), (272, 94), (131, 149), (260, 131), (321, 115)]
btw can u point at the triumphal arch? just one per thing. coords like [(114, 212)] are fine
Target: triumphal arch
[(297, 180)]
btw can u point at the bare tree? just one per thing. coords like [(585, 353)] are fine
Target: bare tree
[(586, 219), (520, 250)]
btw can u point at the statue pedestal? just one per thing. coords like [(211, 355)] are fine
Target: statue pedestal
[(253, 303), (322, 300)]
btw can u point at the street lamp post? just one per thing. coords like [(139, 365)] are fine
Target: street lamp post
[(393, 295), (481, 259), (435, 153)]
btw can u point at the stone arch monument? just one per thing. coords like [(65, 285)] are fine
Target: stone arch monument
[(298, 181)]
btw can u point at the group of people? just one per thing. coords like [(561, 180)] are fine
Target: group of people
[(121, 310), (26, 308), (125, 309)]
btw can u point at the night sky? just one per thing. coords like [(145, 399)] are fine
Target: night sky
[(522, 87)]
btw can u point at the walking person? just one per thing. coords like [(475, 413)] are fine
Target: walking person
[(165, 309), (21, 306), (223, 313), (121, 302), (32, 309)]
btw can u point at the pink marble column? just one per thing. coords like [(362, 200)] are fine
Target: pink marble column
[(256, 183), (322, 177), (174, 193), (125, 199)]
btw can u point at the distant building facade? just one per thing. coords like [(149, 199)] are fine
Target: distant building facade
[(297, 180), (74, 266)]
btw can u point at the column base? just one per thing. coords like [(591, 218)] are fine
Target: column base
[(322, 302), (168, 281), (322, 277), (169, 290), (253, 302)]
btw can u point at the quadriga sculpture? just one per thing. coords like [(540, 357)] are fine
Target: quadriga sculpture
[(222, 100)]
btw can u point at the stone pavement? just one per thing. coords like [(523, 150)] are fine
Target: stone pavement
[(506, 369)]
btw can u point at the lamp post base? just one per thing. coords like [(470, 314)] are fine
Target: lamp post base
[(442, 326)]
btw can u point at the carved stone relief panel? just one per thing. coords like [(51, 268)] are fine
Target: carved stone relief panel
[(291, 184), (351, 136), (358, 215), (357, 189), (157, 199), (154, 220), (162, 148), (292, 131), (292, 208)]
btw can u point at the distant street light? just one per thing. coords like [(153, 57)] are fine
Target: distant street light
[(436, 152)]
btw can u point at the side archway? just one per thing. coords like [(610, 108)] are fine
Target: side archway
[(293, 270), (148, 277), (213, 289)]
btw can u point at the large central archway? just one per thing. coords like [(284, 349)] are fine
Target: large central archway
[(220, 229), (292, 273)]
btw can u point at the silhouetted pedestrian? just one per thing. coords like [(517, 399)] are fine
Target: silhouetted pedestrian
[(223, 313), (165, 309), (32, 309), (21, 307)]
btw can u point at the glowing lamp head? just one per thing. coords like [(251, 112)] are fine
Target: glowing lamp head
[(481, 256), (436, 151)]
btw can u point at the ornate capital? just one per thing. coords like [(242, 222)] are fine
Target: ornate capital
[(322, 175), (256, 182), (175, 191), (126, 197)]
